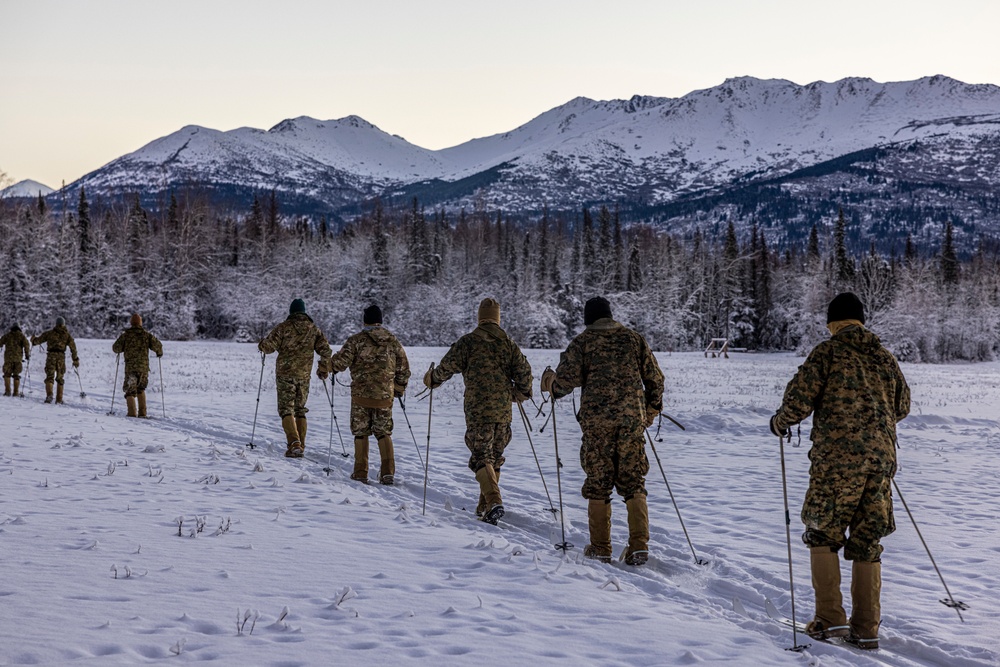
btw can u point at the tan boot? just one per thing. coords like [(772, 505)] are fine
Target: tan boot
[(48, 392), (490, 488), (866, 606), (59, 393), (301, 425), (481, 505), (294, 449), (141, 403), (387, 469), (17, 386), (830, 619), (599, 522), (360, 473), (638, 530), (130, 403), (6, 387)]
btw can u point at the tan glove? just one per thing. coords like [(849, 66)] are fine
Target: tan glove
[(519, 397), (260, 346), (428, 378), (398, 390), (548, 379), (76, 363), (650, 416)]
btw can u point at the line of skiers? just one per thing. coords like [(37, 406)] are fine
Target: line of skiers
[(135, 342), (850, 383)]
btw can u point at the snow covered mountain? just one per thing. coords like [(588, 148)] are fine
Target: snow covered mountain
[(645, 151), (26, 188)]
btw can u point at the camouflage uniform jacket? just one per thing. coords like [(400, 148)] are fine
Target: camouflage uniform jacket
[(58, 339), (378, 367), (15, 345), (295, 340), (858, 394), (493, 366), (136, 343), (617, 371)]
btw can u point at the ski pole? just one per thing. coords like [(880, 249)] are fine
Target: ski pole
[(676, 423), (527, 432), (27, 378), (260, 384), (114, 385), (427, 458), (564, 545), (163, 401), (331, 394), (697, 560), (83, 394), (329, 447), (950, 602), (412, 437), (788, 540)]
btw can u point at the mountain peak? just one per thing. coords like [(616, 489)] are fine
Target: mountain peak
[(27, 188)]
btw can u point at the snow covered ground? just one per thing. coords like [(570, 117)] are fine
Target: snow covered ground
[(129, 541)]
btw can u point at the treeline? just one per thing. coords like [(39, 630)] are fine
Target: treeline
[(195, 271)]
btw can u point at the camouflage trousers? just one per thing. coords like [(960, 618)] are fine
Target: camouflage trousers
[(292, 396), (55, 368), (486, 443), (613, 455), (850, 509), (135, 382), (12, 368), (370, 421)]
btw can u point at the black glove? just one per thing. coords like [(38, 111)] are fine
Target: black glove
[(783, 433)]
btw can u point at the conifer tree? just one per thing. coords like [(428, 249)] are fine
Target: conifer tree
[(844, 264), (949, 258)]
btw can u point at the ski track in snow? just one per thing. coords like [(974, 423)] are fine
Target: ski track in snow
[(99, 569)]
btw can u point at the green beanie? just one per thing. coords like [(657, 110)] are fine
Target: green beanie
[(298, 306)]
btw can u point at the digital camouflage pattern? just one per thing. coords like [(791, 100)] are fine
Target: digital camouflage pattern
[(135, 344), (620, 382), (379, 367), (295, 340), (15, 348), (370, 421), (57, 340), (493, 367), (486, 443), (856, 392)]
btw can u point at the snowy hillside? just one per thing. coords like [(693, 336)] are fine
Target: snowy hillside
[(645, 149), (26, 188), (129, 542)]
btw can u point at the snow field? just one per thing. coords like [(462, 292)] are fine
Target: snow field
[(130, 541)]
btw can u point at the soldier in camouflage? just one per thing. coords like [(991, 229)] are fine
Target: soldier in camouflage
[(379, 372), (621, 395), (856, 392), (495, 373), (15, 345), (58, 339), (135, 342), (295, 340)]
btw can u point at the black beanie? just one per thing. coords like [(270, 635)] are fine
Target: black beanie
[(595, 309), (298, 306), (373, 315), (845, 306)]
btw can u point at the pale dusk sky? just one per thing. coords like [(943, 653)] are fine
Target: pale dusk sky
[(83, 82)]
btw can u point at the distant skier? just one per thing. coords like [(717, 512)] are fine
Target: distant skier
[(295, 340), (136, 343), (495, 373), (15, 345), (57, 339), (857, 394), (379, 372), (621, 395)]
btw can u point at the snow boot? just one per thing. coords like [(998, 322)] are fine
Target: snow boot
[(599, 522), (6, 387), (59, 393), (481, 505), (866, 607), (638, 530), (141, 404), (17, 387), (48, 392), (294, 449), (130, 402), (301, 426), (387, 469), (360, 473), (488, 486), (830, 619)]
